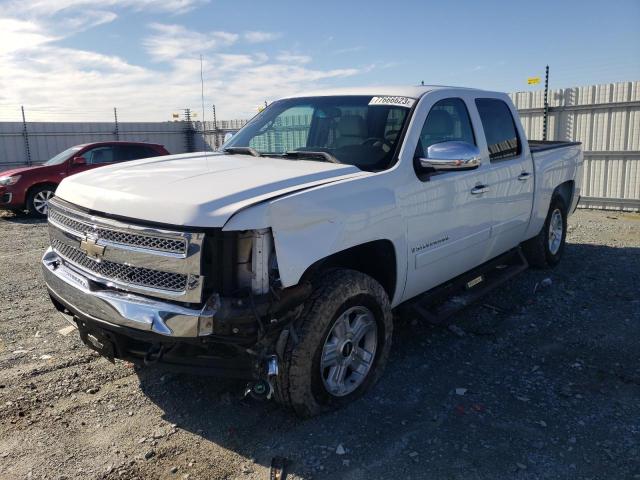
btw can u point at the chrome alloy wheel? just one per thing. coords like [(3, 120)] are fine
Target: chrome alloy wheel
[(555, 231), (41, 201), (349, 351)]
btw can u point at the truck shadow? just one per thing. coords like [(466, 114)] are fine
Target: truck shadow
[(499, 339)]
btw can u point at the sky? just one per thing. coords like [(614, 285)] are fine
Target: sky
[(72, 60)]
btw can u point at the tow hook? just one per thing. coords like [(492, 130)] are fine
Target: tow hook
[(262, 389), (154, 354)]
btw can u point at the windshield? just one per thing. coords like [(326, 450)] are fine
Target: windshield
[(61, 157), (355, 130)]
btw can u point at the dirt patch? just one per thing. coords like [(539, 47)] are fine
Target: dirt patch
[(529, 385)]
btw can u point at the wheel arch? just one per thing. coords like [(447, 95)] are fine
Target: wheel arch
[(376, 258), (38, 185), (565, 191)]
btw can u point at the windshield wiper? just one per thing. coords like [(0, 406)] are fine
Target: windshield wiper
[(308, 154), (247, 150)]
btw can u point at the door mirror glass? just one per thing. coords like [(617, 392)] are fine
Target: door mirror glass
[(78, 161), (449, 156)]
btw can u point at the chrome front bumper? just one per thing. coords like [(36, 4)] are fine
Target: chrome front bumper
[(84, 297)]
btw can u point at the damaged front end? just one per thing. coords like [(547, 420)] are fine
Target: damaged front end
[(213, 305)]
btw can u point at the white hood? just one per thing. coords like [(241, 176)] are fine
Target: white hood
[(194, 189)]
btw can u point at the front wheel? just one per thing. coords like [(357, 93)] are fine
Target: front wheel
[(343, 342), (38, 200), (545, 249)]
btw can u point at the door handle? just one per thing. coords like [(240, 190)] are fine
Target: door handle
[(524, 176), (478, 189)]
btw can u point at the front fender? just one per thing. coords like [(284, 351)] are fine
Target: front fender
[(313, 224)]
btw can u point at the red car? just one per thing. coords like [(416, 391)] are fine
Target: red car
[(30, 188)]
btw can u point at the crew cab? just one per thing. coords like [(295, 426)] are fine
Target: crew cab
[(280, 258), (30, 188)]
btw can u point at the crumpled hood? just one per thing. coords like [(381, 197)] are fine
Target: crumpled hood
[(196, 189)]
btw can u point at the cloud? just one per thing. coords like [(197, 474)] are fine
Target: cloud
[(260, 37), (51, 7), (87, 20), (287, 57), (172, 41), (71, 84), (20, 35)]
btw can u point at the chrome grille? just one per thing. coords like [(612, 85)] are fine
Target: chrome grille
[(136, 258), (168, 245), (143, 277)]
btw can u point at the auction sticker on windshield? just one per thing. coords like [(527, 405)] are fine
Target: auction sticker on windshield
[(393, 101)]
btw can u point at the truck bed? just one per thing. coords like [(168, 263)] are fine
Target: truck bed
[(537, 146)]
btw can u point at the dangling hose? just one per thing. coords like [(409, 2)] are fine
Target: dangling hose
[(154, 354)]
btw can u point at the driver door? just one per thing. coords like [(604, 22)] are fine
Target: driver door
[(448, 216)]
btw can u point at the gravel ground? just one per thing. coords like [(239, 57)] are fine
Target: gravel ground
[(537, 380)]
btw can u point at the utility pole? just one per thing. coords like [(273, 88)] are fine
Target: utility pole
[(25, 135), (188, 131), (545, 118), (115, 117), (215, 129)]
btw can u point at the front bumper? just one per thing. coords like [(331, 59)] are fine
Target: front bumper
[(9, 200), (90, 300), (143, 331)]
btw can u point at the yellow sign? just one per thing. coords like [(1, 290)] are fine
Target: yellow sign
[(533, 80)]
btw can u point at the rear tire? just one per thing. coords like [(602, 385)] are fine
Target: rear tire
[(38, 199), (545, 249), (343, 342)]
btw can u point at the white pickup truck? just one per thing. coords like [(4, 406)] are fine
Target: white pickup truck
[(280, 258)]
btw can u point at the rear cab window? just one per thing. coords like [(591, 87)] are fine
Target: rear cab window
[(503, 141)]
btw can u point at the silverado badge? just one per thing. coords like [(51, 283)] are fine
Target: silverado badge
[(92, 249)]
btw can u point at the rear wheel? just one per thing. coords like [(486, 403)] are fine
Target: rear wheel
[(545, 249), (343, 342), (38, 200)]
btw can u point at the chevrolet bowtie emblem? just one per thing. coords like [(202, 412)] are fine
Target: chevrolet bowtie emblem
[(92, 249)]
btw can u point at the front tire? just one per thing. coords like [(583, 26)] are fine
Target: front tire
[(38, 200), (343, 342), (545, 249)]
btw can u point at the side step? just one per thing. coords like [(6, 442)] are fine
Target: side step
[(439, 304)]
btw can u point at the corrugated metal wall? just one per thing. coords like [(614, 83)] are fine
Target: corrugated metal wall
[(46, 139), (606, 119)]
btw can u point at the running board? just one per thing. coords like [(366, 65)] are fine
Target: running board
[(439, 304)]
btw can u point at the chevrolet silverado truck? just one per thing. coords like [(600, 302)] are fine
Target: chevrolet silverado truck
[(279, 258)]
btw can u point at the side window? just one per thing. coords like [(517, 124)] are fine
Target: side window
[(134, 152), (499, 129), (99, 155), (447, 121), (289, 131)]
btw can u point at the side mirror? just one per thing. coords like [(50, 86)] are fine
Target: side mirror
[(78, 161), (227, 136), (450, 156)]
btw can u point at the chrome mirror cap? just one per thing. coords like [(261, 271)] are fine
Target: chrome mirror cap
[(449, 156)]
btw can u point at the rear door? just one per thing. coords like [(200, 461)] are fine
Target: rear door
[(511, 180)]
